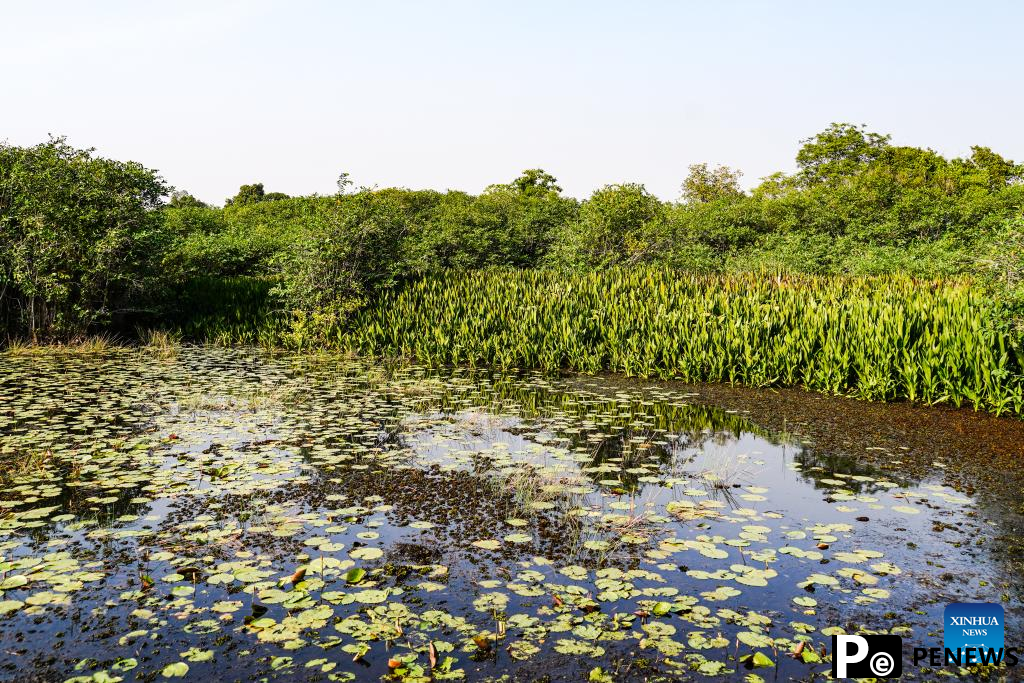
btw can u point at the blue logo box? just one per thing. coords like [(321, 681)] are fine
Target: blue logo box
[(973, 624)]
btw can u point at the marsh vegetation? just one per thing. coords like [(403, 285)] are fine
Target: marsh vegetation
[(874, 270)]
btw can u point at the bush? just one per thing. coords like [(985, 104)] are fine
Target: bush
[(618, 224), (349, 251), (244, 239)]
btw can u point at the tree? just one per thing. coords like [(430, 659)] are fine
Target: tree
[(247, 194), (184, 200), (78, 236), (705, 184), (616, 225), (999, 172), (841, 150), (510, 224), (536, 181), (349, 252)]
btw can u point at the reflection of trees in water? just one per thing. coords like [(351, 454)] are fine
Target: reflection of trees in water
[(816, 465), (623, 432), (74, 499)]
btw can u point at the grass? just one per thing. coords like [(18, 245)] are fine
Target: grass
[(159, 343), (101, 343)]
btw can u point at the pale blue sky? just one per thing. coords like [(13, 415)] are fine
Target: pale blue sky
[(463, 94)]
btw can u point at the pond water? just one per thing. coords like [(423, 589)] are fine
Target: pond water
[(234, 515)]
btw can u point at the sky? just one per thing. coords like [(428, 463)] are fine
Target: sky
[(459, 95)]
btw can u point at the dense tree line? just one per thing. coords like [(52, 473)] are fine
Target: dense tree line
[(84, 237)]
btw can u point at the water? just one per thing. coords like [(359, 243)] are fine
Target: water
[(297, 518)]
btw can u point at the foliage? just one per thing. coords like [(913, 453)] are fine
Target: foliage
[(238, 240), (874, 338), (226, 311), (253, 194), (247, 194), (510, 224), (265, 264), (612, 228), (348, 252), (182, 200), (77, 233), (840, 150), (1003, 265), (857, 205), (705, 184)]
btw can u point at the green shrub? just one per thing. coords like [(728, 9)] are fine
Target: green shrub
[(349, 252)]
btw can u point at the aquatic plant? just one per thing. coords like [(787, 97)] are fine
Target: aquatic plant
[(93, 344), (876, 338), (159, 343), (228, 311)]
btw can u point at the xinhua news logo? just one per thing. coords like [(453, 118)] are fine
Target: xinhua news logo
[(973, 635), (867, 656), (974, 628)]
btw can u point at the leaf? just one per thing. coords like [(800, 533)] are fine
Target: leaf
[(757, 660), (366, 553), (354, 576), (11, 582), (754, 639), (371, 597), (522, 650), (519, 538), (125, 664), (175, 670), (660, 609), (278, 663), (9, 606)]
